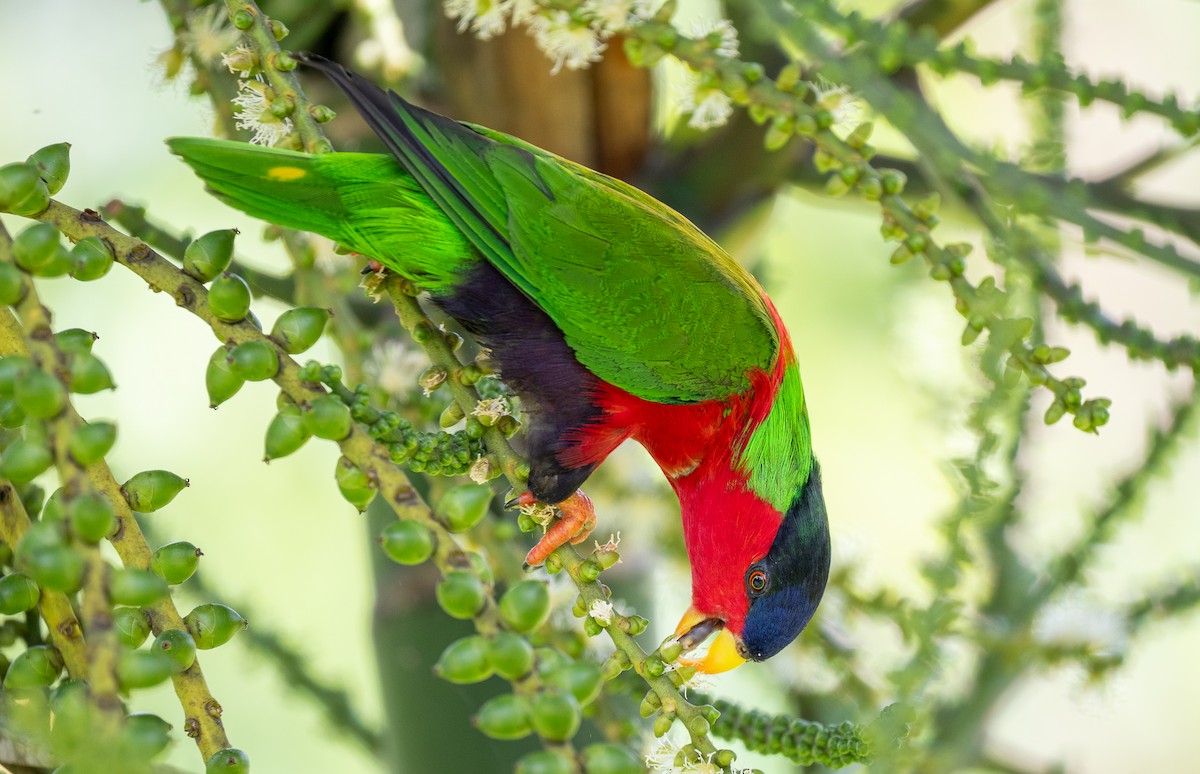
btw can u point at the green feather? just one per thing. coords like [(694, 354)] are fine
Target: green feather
[(777, 458)]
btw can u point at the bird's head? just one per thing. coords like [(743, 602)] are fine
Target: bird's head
[(756, 588)]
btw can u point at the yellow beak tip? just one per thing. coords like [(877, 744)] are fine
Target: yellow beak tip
[(723, 655)]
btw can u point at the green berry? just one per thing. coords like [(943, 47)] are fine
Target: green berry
[(53, 509), (229, 298), (145, 735), (136, 587), (556, 716), (22, 191), (89, 443), (525, 606), (254, 361), (298, 329), (91, 259), (59, 264), (12, 284), (407, 541), (89, 375), (92, 517), (544, 762), (212, 625), (463, 506), (24, 460), (461, 594), (504, 717), (208, 256), (40, 394), (12, 368), (229, 760), (175, 562), (36, 246), (11, 415), (58, 568), (45, 533), (37, 667), (511, 655), (465, 661), (143, 668), (152, 489), (327, 417), (581, 679), (220, 380), (179, 646), (354, 484), (53, 164), (610, 759), (131, 625), (18, 593), (75, 340)]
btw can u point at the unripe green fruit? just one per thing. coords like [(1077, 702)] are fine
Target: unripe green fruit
[(177, 645), (461, 594), (465, 661), (463, 506), (137, 588), (131, 625), (89, 443), (143, 668), (254, 361), (12, 368), (229, 298), (229, 760), (504, 717), (610, 759), (91, 259), (556, 716), (37, 667), (407, 541), (544, 762), (18, 593), (220, 380), (581, 679), (152, 489), (354, 484), (54, 510), (40, 394), (298, 329), (75, 340), (11, 415), (327, 417), (92, 517), (36, 246), (525, 606), (24, 460), (286, 433), (22, 191), (58, 568), (175, 562), (208, 256), (511, 655), (145, 735), (213, 625), (12, 284), (59, 264), (89, 375), (53, 164), (42, 534), (72, 712)]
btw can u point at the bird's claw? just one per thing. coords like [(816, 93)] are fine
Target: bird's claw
[(577, 521)]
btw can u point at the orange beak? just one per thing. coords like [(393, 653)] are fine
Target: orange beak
[(724, 653)]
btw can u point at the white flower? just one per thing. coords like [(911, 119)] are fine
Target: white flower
[(481, 470), (493, 408), (393, 366), (724, 29), (710, 107), (614, 541), (698, 682), (541, 513), (1074, 622), (839, 100), (255, 114), (645, 9), (565, 40), (486, 18), (602, 610), (661, 758), (608, 16), (208, 33), (238, 60)]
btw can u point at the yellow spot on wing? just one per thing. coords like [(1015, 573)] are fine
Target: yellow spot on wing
[(285, 174)]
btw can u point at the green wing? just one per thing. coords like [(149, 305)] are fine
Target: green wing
[(646, 301)]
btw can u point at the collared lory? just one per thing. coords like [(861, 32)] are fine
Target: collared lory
[(612, 317)]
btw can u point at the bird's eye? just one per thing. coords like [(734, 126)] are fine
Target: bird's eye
[(756, 581)]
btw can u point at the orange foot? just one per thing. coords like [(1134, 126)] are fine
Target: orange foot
[(576, 522)]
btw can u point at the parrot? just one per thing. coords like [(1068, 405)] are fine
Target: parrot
[(610, 315)]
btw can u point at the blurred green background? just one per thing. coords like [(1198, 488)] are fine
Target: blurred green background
[(886, 379)]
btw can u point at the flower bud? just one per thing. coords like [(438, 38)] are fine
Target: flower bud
[(230, 760), (662, 724), (298, 329), (89, 443), (12, 285), (89, 375), (53, 164), (462, 507), (92, 517), (137, 588), (504, 717), (556, 716), (213, 625), (178, 646), (220, 380), (131, 625), (464, 661), (152, 489), (610, 759), (286, 433), (91, 259), (24, 460), (510, 654), (452, 415), (37, 667), (407, 541), (208, 256), (327, 417), (143, 668), (581, 679), (229, 298), (254, 361), (22, 191), (18, 593), (175, 562), (461, 594), (145, 735), (544, 762), (525, 606), (40, 394)]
